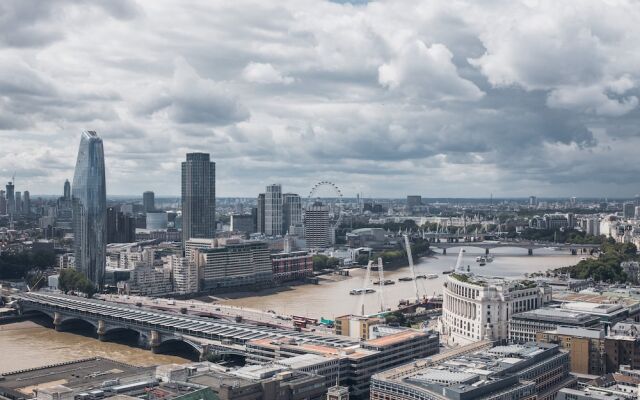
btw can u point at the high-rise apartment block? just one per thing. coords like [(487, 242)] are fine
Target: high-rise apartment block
[(18, 201), (26, 203), (198, 197), (273, 210), (291, 212), (318, 231), (90, 209), (148, 201)]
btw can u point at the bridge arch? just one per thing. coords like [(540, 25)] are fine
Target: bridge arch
[(125, 335), (179, 347), (77, 324)]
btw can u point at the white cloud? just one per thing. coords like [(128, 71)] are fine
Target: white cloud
[(380, 97), (427, 73), (264, 73)]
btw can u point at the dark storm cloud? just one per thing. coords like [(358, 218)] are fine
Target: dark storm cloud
[(447, 98)]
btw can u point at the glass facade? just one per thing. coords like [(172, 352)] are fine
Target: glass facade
[(90, 209), (198, 197)]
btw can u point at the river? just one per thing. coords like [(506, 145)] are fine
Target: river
[(331, 297), (27, 344)]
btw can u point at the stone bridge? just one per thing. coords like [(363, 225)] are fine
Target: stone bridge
[(155, 329), (530, 246)]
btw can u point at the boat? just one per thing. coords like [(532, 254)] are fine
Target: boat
[(448, 272), (421, 277), (483, 263), (361, 291), (405, 279), (489, 258), (385, 283), (432, 276), (480, 258)]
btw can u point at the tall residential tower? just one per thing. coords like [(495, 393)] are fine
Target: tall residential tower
[(273, 210), (198, 197), (90, 209)]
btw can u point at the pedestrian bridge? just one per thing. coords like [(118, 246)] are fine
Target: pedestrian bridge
[(158, 329)]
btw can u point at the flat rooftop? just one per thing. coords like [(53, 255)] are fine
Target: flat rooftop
[(558, 315)]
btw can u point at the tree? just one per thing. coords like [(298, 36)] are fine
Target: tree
[(72, 280)]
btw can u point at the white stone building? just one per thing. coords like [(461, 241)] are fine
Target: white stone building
[(479, 308)]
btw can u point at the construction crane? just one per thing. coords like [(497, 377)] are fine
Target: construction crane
[(413, 271), (381, 283)]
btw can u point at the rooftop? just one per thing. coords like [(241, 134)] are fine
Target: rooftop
[(558, 315)]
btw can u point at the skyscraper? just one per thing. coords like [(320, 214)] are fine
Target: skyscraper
[(18, 203), (148, 201), (26, 203), (11, 200), (3, 203), (291, 211), (198, 197), (273, 210), (67, 190), (90, 209), (260, 214)]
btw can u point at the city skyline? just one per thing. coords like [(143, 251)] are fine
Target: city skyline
[(380, 97)]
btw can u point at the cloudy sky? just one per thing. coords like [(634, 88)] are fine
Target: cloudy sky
[(385, 98)]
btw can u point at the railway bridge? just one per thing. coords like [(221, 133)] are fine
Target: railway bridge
[(157, 329)]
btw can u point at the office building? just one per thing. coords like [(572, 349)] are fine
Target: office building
[(26, 203), (242, 223), (234, 265), (533, 201), (157, 220), (3, 203), (622, 346), (478, 308), (318, 231), (11, 199), (184, 274), (479, 371), (198, 197), (629, 210), (414, 201), (291, 266), (356, 326), (121, 227), (90, 209), (273, 210), (148, 201), (260, 213), (291, 212), (353, 365), (524, 326), (592, 227), (586, 347)]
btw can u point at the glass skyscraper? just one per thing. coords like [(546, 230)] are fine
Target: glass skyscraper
[(198, 197), (273, 210), (89, 196)]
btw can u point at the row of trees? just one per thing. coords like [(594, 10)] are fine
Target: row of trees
[(564, 236), (320, 262), (71, 280), (606, 267), (21, 264)]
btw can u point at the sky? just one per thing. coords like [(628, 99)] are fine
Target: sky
[(449, 98)]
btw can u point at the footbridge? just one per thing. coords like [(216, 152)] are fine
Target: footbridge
[(157, 329), (529, 245)]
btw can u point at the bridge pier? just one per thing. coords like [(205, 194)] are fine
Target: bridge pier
[(101, 331), (530, 252), (154, 341), (444, 252), (57, 321), (486, 251)]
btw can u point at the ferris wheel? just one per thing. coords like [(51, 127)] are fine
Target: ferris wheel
[(333, 200)]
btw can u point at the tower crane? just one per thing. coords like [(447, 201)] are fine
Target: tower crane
[(411, 267)]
